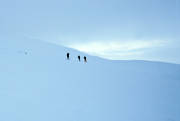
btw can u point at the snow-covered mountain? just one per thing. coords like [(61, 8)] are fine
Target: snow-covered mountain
[(37, 83)]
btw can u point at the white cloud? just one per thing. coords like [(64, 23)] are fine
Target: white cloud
[(117, 50)]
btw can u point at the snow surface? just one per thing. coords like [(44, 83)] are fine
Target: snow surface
[(37, 83)]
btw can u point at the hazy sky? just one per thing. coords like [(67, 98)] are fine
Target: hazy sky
[(113, 29)]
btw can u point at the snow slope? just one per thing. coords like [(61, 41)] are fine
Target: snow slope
[(37, 83)]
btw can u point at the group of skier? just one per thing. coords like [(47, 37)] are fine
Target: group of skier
[(79, 57)]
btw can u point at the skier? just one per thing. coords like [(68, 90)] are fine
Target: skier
[(85, 60), (79, 58), (67, 56)]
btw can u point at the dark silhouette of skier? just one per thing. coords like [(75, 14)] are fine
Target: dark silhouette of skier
[(85, 60), (79, 57), (68, 56)]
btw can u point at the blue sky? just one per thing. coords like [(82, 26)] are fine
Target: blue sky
[(112, 29)]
